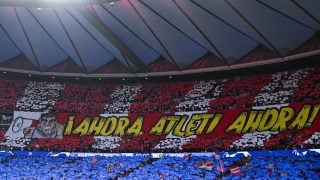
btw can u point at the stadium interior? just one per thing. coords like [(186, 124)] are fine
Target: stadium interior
[(172, 89)]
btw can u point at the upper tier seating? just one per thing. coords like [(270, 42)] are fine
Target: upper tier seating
[(198, 98), (160, 97), (88, 99), (39, 96), (67, 143), (239, 92), (248, 91), (281, 87), (9, 93), (121, 98), (271, 90)]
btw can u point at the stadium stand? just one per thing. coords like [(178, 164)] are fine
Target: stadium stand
[(122, 98), (198, 98), (39, 96), (233, 93), (89, 99), (239, 92), (160, 97), (67, 143), (273, 165), (10, 91)]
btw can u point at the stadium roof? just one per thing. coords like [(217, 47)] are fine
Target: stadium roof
[(102, 38)]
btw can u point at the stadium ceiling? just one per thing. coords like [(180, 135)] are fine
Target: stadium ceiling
[(103, 38)]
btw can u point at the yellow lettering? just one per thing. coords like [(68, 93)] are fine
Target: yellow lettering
[(94, 128), (301, 118), (136, 127), (69, 126), (172, 121), (203, 122), (122, 125), (215, 121), (314, 114), (285, 115), (252, 122), (190, 129), (269, 118), (107, 128), (238, 124), (178, 129), (158, 128), (83, 127)]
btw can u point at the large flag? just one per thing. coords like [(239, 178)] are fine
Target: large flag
[(220, 167), (207, 166), (235, 170)]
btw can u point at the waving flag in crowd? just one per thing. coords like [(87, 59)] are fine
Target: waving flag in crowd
[(207, 166), (220, 168), (93, 160), (187, 156), (235, 170)]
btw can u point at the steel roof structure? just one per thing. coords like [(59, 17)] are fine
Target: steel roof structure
[(102, 38)]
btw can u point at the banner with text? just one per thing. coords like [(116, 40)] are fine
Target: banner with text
[(296, 116)]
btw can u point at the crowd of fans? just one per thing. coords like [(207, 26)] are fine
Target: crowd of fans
[(239, 92), (199, 97), (9, 93), (5, 119), (87, 99), (268, 165), (122, 98), (281, 88), (248, 91), (160, 97), (204, 95), (39, 96)]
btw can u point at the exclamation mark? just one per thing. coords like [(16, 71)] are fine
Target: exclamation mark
[(314, 114)]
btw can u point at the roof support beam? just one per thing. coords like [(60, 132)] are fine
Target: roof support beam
[(254, 28), (93, 37), (10, 38), (224, 21), (45, 30), (122, 55), (28, 39), (200, 31), (71, 41), (172, 24), (154, 34), (130, 30), (108, 34), (306, 11), (52, 3), (285, 15)]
